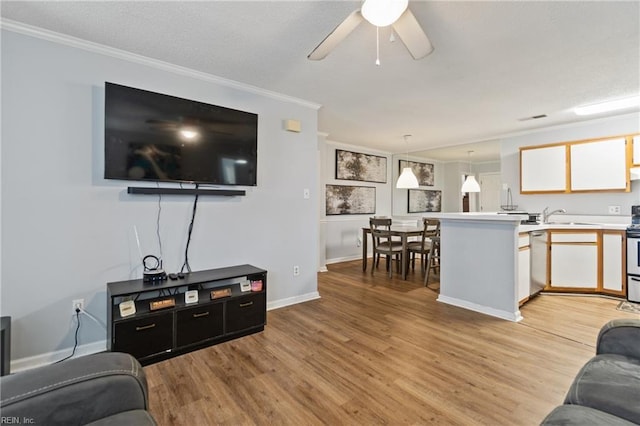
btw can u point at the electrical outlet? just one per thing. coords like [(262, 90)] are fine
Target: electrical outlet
[(296, 270), (614, 209), (77, 304), (359, 242), (306, 194)]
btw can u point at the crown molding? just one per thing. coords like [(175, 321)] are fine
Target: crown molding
[(78, 43)]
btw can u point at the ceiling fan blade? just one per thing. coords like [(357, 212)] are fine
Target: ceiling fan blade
[(410, 32), (336, 36)]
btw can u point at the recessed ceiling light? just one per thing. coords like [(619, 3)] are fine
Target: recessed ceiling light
[(625, 103)]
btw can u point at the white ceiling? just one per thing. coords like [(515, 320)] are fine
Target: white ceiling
[(495, 62)]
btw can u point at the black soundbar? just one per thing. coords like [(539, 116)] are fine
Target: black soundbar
[(184, 191)]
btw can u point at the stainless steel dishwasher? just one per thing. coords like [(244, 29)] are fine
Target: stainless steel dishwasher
[(539, 259)]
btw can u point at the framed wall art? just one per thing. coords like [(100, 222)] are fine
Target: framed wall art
[(424, 200), (346, 199), (423, 171), (363, 167)]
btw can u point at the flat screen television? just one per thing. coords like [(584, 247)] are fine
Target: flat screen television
[(155, 137)]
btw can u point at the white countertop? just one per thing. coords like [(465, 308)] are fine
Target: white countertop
[(558, 221), (480, 216), (572, 225)]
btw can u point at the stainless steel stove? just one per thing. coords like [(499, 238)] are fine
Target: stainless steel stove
[(633, 256)]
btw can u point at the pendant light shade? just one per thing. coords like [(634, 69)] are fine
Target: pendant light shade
[(407, 179), (470, 184), (383, 12)]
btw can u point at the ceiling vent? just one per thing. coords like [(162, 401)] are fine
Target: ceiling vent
[(534, 117)]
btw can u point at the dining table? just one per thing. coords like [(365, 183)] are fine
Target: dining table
[(402, 231)]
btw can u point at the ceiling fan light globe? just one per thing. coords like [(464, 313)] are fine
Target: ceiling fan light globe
[(407, 179), (382, 13)]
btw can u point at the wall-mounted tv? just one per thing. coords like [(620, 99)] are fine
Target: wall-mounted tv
[(154, 137)]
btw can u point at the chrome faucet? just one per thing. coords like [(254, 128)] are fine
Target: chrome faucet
[(546, 215)]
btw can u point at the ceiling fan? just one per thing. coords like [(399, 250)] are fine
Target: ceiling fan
[(380, 13)]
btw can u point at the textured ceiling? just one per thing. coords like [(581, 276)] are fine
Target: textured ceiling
[(494, 63)]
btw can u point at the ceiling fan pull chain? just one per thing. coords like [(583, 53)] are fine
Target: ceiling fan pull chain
[(378, 46)]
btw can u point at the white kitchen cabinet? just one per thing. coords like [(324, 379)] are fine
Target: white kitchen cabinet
[(636, 150), (524, 268), (574, 260), (543, 169), (599, 165), (613, 245)]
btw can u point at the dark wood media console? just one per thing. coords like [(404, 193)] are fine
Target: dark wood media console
[(165, 325)]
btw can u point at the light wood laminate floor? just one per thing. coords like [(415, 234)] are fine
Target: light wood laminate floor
[(375, 350)]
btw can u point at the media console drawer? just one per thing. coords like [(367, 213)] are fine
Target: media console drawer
[(152, 331), (246, 312), (149, 335), (199, 323)]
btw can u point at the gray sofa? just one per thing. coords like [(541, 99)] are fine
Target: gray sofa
[(102, 389), (606, 391)]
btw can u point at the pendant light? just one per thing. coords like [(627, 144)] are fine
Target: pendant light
[(407, 179), (470, 184)]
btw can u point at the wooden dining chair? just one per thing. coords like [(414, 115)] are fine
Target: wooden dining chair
[(422, 247), (383, 244), (433, 261)]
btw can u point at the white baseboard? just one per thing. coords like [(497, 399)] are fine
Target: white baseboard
[(293, 300), (344, 259), (28, 363), (510, 316)]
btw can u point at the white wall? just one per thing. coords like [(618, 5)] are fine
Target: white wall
[(66, 231), (401, 196), (342, 233), (452, 197), (595, 203)]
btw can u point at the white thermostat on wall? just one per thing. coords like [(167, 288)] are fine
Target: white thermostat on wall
[(191, 296)]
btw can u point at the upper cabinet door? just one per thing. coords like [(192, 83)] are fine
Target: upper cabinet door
[(543, 169), (599, 165), (636, 150)]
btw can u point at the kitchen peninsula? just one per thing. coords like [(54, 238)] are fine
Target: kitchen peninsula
[(479, 259), (479, 262)]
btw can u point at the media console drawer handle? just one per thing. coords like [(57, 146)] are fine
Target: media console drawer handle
[(244, 305), (145, 327), (202, 314)]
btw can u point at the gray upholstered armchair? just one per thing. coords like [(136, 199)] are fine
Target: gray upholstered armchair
[(607, 388), (102, 389)]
